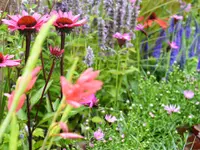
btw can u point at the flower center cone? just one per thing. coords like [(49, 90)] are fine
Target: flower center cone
[(64, 21), (28, 21)]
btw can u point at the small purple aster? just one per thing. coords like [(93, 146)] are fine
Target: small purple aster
[(188, 94), (110, 118), (99, 135), (171, 109)]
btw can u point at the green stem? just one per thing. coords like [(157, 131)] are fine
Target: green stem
[(63, 118)]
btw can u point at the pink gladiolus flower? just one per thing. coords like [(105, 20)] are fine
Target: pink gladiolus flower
[(85, 86), (10, 100), (65, 20), (173, 45), (188, 94), (33, 79), (99, 135), (55, 51), (64, 127), (110, 118), (25, 22), (122, 38), (66, 134), (5, 61), (172, 108), (91, 100), (177, 17), (70, 136)]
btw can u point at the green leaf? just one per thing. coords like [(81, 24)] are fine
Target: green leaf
[(38, 132), (36, 97), (97, 119), (14, 133)]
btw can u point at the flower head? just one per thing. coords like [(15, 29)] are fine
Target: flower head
[(177, 17), (25, 22), (10, 100), (172, 108), (85, 86), (186, 7), (173, 45), (99, 135), (139, 27), (110, 118), (66, 21), (56, 52), (122, 38), (153, 18), (188, 94), (90, 100), (5, 61), (66, 134)]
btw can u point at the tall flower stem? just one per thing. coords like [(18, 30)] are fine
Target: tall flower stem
[(44, 74), (28, 43), (29, 123), (40, 102), (62, 58)]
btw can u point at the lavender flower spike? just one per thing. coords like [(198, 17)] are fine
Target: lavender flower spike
[(89, 57)]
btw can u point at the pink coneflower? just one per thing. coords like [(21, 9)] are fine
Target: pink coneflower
[(110, 118), (188, 94), (25, 22), (171, 108), (66, 21), (91, 100), (173, 45), (122, 38), (177, 17), (139, 27), (99, 135), (85, 86), (10, 100), (5, 61), (56, 51)]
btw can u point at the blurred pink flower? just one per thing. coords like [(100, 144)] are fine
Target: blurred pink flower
[(25, 22), (33, 79), (132, 1), (186, 7), (172, 108), (122, 38), (99, 135), (177, 17), (110, 118), (56, 51), (173, 45), (66, 21), (10, 100), (5, 61), (188, 94), (85, 86), (139, 27), (91, 100), (66, 134)]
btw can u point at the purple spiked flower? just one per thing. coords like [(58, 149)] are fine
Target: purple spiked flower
[(187, 27), (144, 48), (158, 45), (198, 65)]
